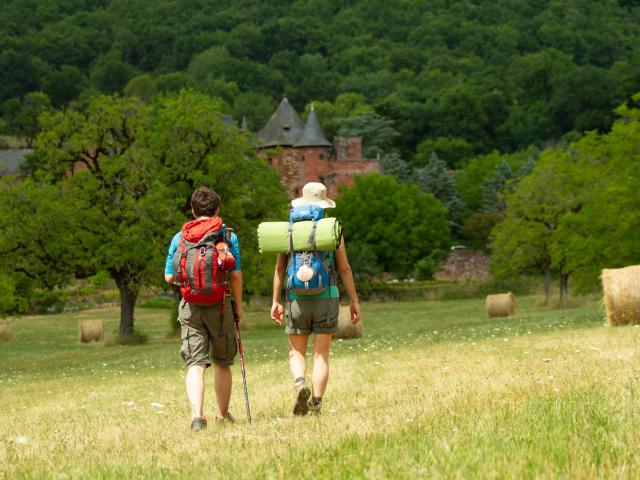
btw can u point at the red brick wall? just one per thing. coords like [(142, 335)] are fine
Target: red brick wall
[(297, 166)]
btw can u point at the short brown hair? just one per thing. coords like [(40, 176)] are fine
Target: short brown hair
[(205, 202)]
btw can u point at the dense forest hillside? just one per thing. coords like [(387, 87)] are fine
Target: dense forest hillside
[(470, 76)]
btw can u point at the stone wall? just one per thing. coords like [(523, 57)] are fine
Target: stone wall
[(465, 265)]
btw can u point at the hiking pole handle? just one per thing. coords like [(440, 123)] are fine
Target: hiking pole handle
[(244, 371)]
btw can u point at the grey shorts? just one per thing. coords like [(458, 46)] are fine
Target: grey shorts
[(306, 316), (206, 338)]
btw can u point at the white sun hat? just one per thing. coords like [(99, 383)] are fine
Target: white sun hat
[(314, 193)]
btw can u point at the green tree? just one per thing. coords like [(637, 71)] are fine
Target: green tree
[(331, 115), (64, 85), (376, 131), (23, 115), (141, 86), (454, 151), (526, 241), (129, 169), (393, 164), (397, 222), (603, 232), (435, 178), (493, 188), (173, 82), (110, 73)]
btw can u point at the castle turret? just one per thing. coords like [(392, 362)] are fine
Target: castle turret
[(312, 135), (283, 128)]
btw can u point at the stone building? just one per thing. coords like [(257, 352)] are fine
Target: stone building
[(300, 153)]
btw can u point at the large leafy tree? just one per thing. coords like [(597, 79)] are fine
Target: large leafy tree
[(395, 221), (126, 172), (604, 232)]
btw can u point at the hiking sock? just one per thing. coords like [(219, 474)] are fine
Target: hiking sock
[(316, 400), (299, 381)]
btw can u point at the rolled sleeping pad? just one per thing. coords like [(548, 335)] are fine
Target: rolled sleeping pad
[(273, 237)]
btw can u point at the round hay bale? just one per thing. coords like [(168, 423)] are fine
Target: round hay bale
[(346, 329), (501, 305), (5, 334), (91, 330), (621, 287)]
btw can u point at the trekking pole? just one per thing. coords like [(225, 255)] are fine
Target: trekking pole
[(244, 372)]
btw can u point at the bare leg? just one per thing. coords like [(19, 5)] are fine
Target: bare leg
[(195, 390), (223, 383), (320, 375), (298, 366), (297, 352)]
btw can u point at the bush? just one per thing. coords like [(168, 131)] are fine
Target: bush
[(426, 267), (47, 301)]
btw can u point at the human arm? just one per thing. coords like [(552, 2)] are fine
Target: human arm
[(169, 274), (346, 275), (276, 308), (235, 278)]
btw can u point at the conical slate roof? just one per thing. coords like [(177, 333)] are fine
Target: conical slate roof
[(283, 128), (312, 135)]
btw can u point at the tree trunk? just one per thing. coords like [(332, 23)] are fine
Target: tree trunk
[(547, 286), (564, 288), (128, 296)]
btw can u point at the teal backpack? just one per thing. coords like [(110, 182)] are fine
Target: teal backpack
[(311, 272)]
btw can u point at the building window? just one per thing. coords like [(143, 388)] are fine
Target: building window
[(270, 160), (322, 156)]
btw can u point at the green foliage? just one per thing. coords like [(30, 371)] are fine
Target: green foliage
[(427, 266), (332, 115), (121, 174), (602, 233), (524, 241), (435, 178), (454, 151), (500, 75), (173, 82), (142, 86), (22, 115), (471, 179), (392, 164), (493, 187), (477, 228), (395, 221), (577, 211), (376, 131), (110, 73)]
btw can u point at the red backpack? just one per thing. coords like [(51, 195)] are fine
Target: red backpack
[(202, 261)]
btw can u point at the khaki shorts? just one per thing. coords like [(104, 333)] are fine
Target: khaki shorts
[(312, 315), (206, 338)]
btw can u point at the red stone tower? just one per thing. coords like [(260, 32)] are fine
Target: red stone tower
[(301, 153)]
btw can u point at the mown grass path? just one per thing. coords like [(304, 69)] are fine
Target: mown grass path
[(433, 390)]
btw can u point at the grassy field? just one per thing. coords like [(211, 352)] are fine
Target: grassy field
[(433, 390)]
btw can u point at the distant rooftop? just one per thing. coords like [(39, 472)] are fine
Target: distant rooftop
[(10, 160), (312, 135), (285, 128)]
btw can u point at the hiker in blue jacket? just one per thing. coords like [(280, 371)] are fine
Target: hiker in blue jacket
[(313, 314), (207, 319)]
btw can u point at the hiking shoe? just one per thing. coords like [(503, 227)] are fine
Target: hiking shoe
[(198, 424), (314, 408), (226, 419), (303, 393)]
